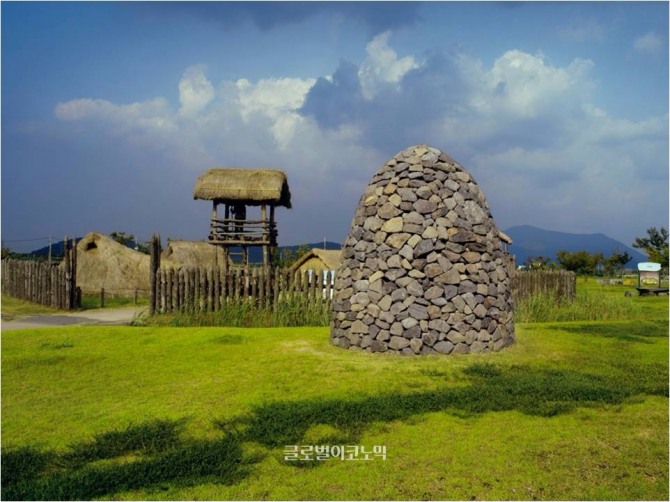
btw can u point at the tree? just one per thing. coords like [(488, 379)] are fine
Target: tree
[(655, 245), (122, 238), (538, 263), (617, 262), (287, 256), (580, 262)]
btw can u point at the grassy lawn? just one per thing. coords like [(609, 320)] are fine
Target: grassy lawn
[(574, 410), (15, 307)]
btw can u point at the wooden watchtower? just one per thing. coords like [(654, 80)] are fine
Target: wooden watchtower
[(238, 189)]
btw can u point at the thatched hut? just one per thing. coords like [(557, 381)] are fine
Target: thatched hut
[(318, 259), (193, 253), (236, 189), (104, 263)]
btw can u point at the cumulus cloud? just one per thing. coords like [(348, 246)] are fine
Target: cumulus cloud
[(649, 43), (195, 90), (526, 128), (524, 85), (382, 66)]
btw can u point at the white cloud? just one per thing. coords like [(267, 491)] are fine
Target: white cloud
[(382, 66), (527, 129), (195, 90), (649, 43), (522, 84), (148, 115), (276, 98)]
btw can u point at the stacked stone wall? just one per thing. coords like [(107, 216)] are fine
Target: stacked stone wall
[(423, 267)]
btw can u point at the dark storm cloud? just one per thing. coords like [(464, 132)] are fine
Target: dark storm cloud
[(377, 16)]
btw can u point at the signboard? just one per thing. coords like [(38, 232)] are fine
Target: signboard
[(649, 274)]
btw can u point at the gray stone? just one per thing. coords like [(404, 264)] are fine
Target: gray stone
[(417, 311), (434, 292), (424, 206), (443, 347), (378, 346), (386, 212), (393, 225), (398, 342), (416, 344)]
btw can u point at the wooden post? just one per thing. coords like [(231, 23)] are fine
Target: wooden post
[(273, 235), (155, 264), (102, 298), (266, 235)]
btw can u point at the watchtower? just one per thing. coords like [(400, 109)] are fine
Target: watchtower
[(237, 190)]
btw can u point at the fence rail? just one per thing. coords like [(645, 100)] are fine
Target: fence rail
[(40, 282), (560, 283)]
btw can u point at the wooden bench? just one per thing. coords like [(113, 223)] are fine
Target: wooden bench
[(652, 291)]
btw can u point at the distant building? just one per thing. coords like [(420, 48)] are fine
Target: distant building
[(318, 259)]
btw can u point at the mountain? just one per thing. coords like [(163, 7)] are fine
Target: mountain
[(530, 241)]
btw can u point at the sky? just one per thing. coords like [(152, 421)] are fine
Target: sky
[(111, 110)]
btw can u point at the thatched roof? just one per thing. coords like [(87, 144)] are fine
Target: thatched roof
[(192, 253), (104, 263), (504, 237), (319, 259), (251, 187)]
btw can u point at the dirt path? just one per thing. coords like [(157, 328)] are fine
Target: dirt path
[(112, 316)]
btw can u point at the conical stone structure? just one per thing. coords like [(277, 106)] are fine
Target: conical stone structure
[(423, 268)]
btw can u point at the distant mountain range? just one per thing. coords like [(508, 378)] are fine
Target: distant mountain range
[(530, 241), (527, 241)]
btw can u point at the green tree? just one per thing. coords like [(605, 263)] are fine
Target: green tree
[(655, 245), (580, 262), (538, 263), (616, 263), (287, 256), (122, 238)]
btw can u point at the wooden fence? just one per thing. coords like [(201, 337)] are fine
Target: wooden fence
[(527, 283), (43, 283), (208, 289)]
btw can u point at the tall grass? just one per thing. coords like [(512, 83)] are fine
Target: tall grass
[(588, 305), (292, 311)]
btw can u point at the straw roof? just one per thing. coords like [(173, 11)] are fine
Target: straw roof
[(192, 253), (104, 263), (251, 187), (318, 259), (504, 237)]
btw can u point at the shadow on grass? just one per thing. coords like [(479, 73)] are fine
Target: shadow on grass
[(151, 455), (532, 391), (638, 331)]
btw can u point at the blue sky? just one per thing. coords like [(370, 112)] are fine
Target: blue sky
[(110, 110)]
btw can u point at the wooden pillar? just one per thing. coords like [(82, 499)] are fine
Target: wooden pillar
[(266, 236), (212, 231), (155, 263), (273, 234)]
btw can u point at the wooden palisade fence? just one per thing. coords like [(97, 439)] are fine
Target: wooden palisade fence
[(559, 283), (40, 282), (209, 289)]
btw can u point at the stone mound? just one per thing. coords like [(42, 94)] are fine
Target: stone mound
[(423, 269)]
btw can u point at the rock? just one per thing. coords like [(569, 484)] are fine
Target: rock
[(443, 347), (416, 344), (398, 342)]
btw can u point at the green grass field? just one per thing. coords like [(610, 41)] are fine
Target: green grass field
[(574, 410)]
